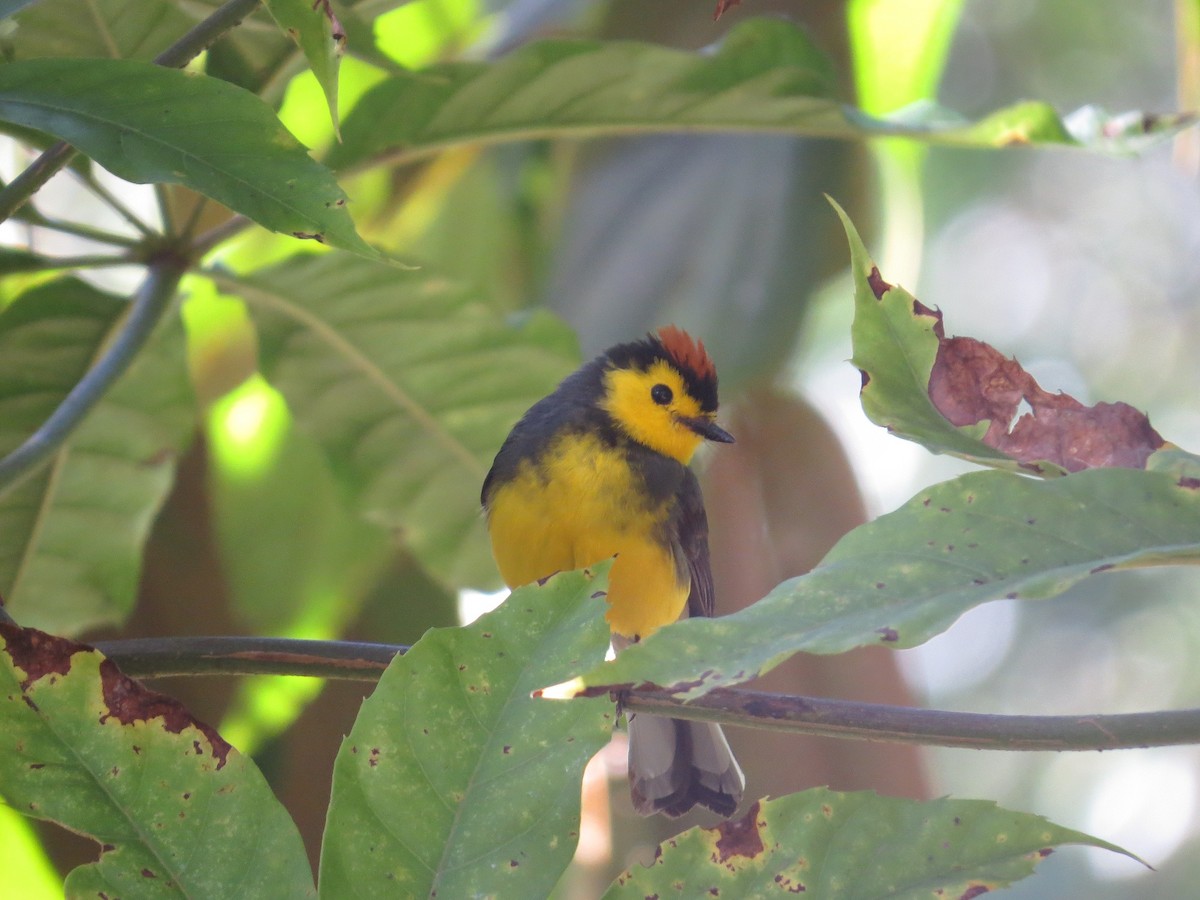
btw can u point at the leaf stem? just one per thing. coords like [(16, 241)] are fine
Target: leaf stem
[(218, 233), (114, 203), (151, 301), (31, 217), (167, 657), (205, 33)]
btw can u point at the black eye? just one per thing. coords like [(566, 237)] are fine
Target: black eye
[(661, 394)]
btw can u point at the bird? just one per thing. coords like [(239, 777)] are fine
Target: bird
[(599, 469)]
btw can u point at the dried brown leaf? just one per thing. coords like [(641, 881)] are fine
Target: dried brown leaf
[(973, 382)]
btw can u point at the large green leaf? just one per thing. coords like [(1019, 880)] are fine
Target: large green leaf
[(895, 345), (149, 124), (908, 575), (454, 781), (116, 29), (71, 535), (821, 843), (177, 811), (765, 77), (410, 383)]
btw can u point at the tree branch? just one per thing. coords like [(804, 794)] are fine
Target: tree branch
[(163, 657), (178, 657)]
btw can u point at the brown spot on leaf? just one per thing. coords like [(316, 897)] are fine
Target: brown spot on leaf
[(129, 702), (723, 6), (602, 690), (740, 837), (974, 890), (1045, 851), (879, 287), (972, 382), (921, 310), (337, 31), (146, 873), (889, 634), (38, 654)]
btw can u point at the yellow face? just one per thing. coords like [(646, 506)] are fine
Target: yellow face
[(649, 404)]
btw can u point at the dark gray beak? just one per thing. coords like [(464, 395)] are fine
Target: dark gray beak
[(708, 430)]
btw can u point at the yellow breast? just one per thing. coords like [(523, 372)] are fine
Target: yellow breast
[(580, 504)]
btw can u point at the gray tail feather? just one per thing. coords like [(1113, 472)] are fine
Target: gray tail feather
[(675, 764)]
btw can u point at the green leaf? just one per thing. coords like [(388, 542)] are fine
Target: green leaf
[(821, 843), (765, 77), (149, 124), (410, 384), (908, 575), (178, 812), (454, 781), (71, 535), (895, 345), (319, 34), (116, 29), (920, 385)]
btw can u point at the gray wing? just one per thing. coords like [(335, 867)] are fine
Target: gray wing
[(691, 531)]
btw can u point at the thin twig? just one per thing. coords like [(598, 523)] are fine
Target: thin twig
[(78, 229), (165, 214), (115, 203), (163, 657), (193, 219), (178, 657), (200, 38), (151, 300)]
